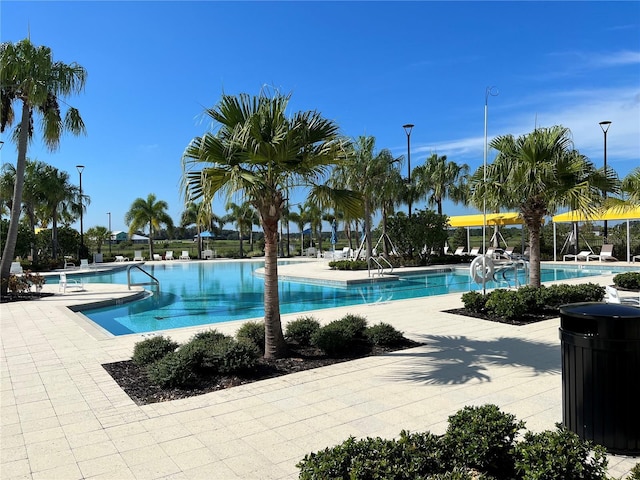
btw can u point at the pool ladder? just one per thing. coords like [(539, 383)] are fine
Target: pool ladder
[(379, 267), (152, 280)]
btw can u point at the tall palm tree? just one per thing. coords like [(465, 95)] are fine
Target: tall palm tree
[(61, 200), (300, 218), (260, 153), (98, 235), (149, 212), (28, 74), (538, 173), (243, 216), (438, 179)]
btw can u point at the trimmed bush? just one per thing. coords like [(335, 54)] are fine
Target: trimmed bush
[(301, 330), (152, 349), (506, 304), (628, 280), (474, 301), (235, 356), (252, 332), (559, 454), (412, 457), (334, 338), (210, 335), (354, 324), (384, 335), (482, 438), (173, 370), (348, 265)]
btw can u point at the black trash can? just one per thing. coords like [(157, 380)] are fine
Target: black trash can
[(601, 374)]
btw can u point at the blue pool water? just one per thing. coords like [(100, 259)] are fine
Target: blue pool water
[(198, 293)]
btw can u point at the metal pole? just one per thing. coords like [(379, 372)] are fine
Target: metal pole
[(80, 170), (488, 92), (109, 213), (407, 128), (605, 128)]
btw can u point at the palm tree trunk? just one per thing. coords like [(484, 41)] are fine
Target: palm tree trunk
[(16, 206), (275, 345), (534, 259)]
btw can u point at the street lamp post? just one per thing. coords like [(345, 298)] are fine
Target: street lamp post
[(604, 125), (80, 170), (489, 92), (109, 213), (407, 128)]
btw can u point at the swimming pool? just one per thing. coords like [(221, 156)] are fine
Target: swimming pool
[(199, 293)]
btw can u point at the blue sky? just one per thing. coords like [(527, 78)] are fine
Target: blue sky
[(153, 66)]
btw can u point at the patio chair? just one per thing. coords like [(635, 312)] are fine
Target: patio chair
[(157, 256), (184, 256), (634, 258), (614, 297), (583, 255), (474, 251), (137, 256), (69, 264), (84, 264), (606, 253), (207, 254), (65, 283), (169, 255), (16, 269), (459, 251), (311, 252), (121, 258)]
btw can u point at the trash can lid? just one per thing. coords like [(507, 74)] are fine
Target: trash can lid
[(597, 310)]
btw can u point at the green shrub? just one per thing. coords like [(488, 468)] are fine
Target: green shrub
[(354, 324), (634, 474), (628, 280), (334, 339), (152, 349), (234, 356), (384, 335), (348, 265), (474, 301), (506, 304), (532, 298), (412, 457), (171, 371), (482, 437), (559, 454), (201, 350), (302, 329), (556, 295), (211, 335), (252, 332)]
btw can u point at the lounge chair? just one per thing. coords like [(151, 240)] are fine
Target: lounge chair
[(475, 251), (634, 258), (169, 255), (583, 255), (606, 253), (16, 268), (184, 256), (311, 252), (137, 256), (69, 264), (614, 297), (84, 264), (121, 258), (157, 256), (508, 252), (459, 251), (207, 254), (65, 283)]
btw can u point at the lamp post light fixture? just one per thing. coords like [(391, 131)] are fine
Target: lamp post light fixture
[(407, 128), (80, 170), (604, 125), (109, 213)]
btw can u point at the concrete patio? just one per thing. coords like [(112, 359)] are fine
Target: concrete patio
[(63, 416)]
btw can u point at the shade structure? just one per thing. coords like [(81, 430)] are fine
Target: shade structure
[(607, 214), (512, 218), (614, 213), (206, 234)]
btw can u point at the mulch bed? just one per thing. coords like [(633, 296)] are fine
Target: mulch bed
[(524, 320), (133, 380)]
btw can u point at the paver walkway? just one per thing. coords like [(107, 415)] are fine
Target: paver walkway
[(63, 416)]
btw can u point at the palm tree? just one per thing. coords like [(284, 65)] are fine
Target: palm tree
[(150, 213), (300, 218), (98, 235), (30, 75), (243, 216), (61, 200), (438, 180), (538, 173), (260, 152)]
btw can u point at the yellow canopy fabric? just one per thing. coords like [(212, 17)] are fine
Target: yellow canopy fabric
[(492, 219), (609, 214)]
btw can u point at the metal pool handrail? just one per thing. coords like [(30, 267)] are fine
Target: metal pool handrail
[(154, 281)]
